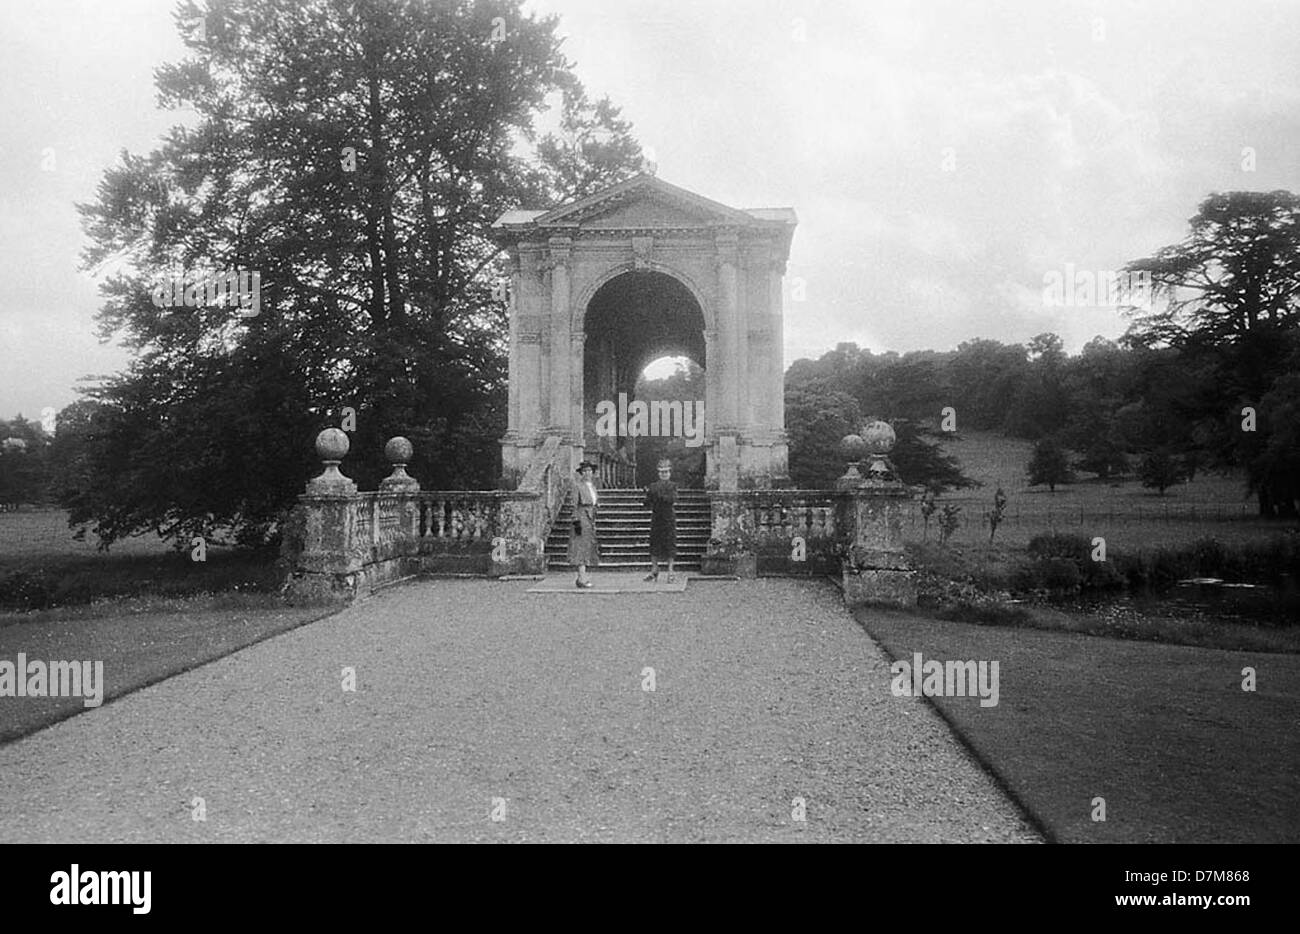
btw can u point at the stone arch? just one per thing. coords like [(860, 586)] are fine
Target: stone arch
[(719, 270), (579, 308), (631, 315)]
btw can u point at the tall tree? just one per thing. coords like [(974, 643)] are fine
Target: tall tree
[(354, 154), (1231, 308)]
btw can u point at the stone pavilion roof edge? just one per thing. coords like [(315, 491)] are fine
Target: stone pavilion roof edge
[(571, 214)]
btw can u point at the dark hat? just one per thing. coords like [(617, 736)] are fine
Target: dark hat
[(586, 464)]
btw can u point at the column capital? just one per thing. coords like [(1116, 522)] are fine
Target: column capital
[(560, 248)]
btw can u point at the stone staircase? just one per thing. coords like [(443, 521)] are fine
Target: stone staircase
[(623, 528)]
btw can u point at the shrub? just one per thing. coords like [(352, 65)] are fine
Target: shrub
[(1060, 575), (1053, 545), (26, 590)]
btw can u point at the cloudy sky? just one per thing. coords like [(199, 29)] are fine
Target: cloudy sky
[(943, 158)]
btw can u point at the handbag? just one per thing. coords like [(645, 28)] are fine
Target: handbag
[(577, 526)]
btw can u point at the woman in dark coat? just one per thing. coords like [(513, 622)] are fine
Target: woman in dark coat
[(584, 549), (661, 497)]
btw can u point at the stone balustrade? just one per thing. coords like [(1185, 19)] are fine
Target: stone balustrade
[(342, 542)]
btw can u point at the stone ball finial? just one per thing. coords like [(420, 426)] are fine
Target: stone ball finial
[(399, 450), (879, 437), (853, 447), (332, 444)]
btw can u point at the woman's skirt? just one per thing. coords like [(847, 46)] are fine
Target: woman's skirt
[(583, 547), (663, 539)]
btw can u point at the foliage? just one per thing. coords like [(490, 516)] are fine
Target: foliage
[(994, 516), (1105, 458), (1159, 470), (922, 462), (689, 465), (817, 419), (949, 520), (1230, 322), (24, 457), (819, 415), (929, 503), (355, 155), (1049, 465)]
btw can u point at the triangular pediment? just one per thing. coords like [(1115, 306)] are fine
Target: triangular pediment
[(639, 205), (643, 202)]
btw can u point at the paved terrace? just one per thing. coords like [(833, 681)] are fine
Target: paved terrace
[(469, 691)]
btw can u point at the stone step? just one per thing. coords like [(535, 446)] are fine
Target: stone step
[(623, 528)]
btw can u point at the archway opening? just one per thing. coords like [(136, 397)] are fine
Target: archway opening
[(644, 334), (673, 384)]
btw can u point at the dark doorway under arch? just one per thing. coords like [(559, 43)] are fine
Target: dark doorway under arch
[(632, 320)]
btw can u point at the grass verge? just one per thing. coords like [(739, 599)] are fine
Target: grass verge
[(140, 641), (1165, 734)]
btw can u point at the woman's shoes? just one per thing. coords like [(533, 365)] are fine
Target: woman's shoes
[(651, 577), (582, 583)]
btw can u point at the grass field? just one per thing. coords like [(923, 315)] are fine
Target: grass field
[(42, 565), (1165, 734), (1125, 513), (33, 534), (143, 609)]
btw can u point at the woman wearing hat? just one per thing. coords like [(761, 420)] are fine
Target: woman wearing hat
[(584, 549)]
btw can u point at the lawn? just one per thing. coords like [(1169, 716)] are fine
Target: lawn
[(140, 642), (1126, 514), (143, 609), (28, 535), (42, 565), (1165, 734)]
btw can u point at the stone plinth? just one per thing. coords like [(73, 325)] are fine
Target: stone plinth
[(329, 564), (876, 569)]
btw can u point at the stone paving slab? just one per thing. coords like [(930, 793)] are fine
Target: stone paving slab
[(612, 583), (474, 698)]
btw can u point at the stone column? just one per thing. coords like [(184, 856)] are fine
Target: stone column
[(577, 392), (746, 371), (560, 352), (712, 383), (775, 349), (712, 393), (513, 419), (728, 326)]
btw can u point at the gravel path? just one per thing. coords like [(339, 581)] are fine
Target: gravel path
[(470, 691)]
